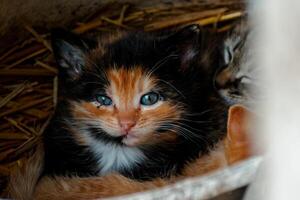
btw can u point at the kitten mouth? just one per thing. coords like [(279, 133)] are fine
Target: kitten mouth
[(130, 139)]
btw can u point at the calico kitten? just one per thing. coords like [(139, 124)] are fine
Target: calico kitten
[(237, 82), (139, 104)]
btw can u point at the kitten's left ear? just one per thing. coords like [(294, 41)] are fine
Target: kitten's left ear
[(69, 50), (185, 41)]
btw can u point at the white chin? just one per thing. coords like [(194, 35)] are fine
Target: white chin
[(130, 140)]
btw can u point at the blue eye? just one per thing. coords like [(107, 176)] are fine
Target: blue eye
[(150, 98), (104, 100)]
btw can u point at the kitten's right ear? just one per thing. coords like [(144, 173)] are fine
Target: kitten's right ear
[(69, 51)]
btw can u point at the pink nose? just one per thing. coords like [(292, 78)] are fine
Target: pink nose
[(126, 125)]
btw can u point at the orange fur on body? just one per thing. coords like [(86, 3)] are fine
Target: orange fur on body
[(216, 159), (233, 148), (115, 185), (91, 188)]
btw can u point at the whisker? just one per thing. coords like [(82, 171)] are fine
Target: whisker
[(187, 126), (90, 122), (160, 63), (172, 86), (197, 121), (199, 114), (187, 136)]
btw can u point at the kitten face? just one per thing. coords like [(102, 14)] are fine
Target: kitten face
[(132, 108), (135, 89), (238, 80)]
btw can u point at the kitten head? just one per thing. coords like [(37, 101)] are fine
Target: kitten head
[(132, 89), (236, 80)]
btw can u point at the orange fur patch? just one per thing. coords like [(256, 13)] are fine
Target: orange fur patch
[(216, 159), (62, 188), (100, 50), (127, 85)]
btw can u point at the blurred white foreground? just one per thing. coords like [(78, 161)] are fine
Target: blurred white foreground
[(279, 133)]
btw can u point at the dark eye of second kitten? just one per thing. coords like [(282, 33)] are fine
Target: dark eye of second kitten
[(150, 98), (103, 100)]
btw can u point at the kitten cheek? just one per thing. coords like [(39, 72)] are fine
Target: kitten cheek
[(111, 130), (142, 132)]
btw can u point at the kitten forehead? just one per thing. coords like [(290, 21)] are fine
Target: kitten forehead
[(127, 85)]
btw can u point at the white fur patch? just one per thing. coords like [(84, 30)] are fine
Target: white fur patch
[(114, 157)]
